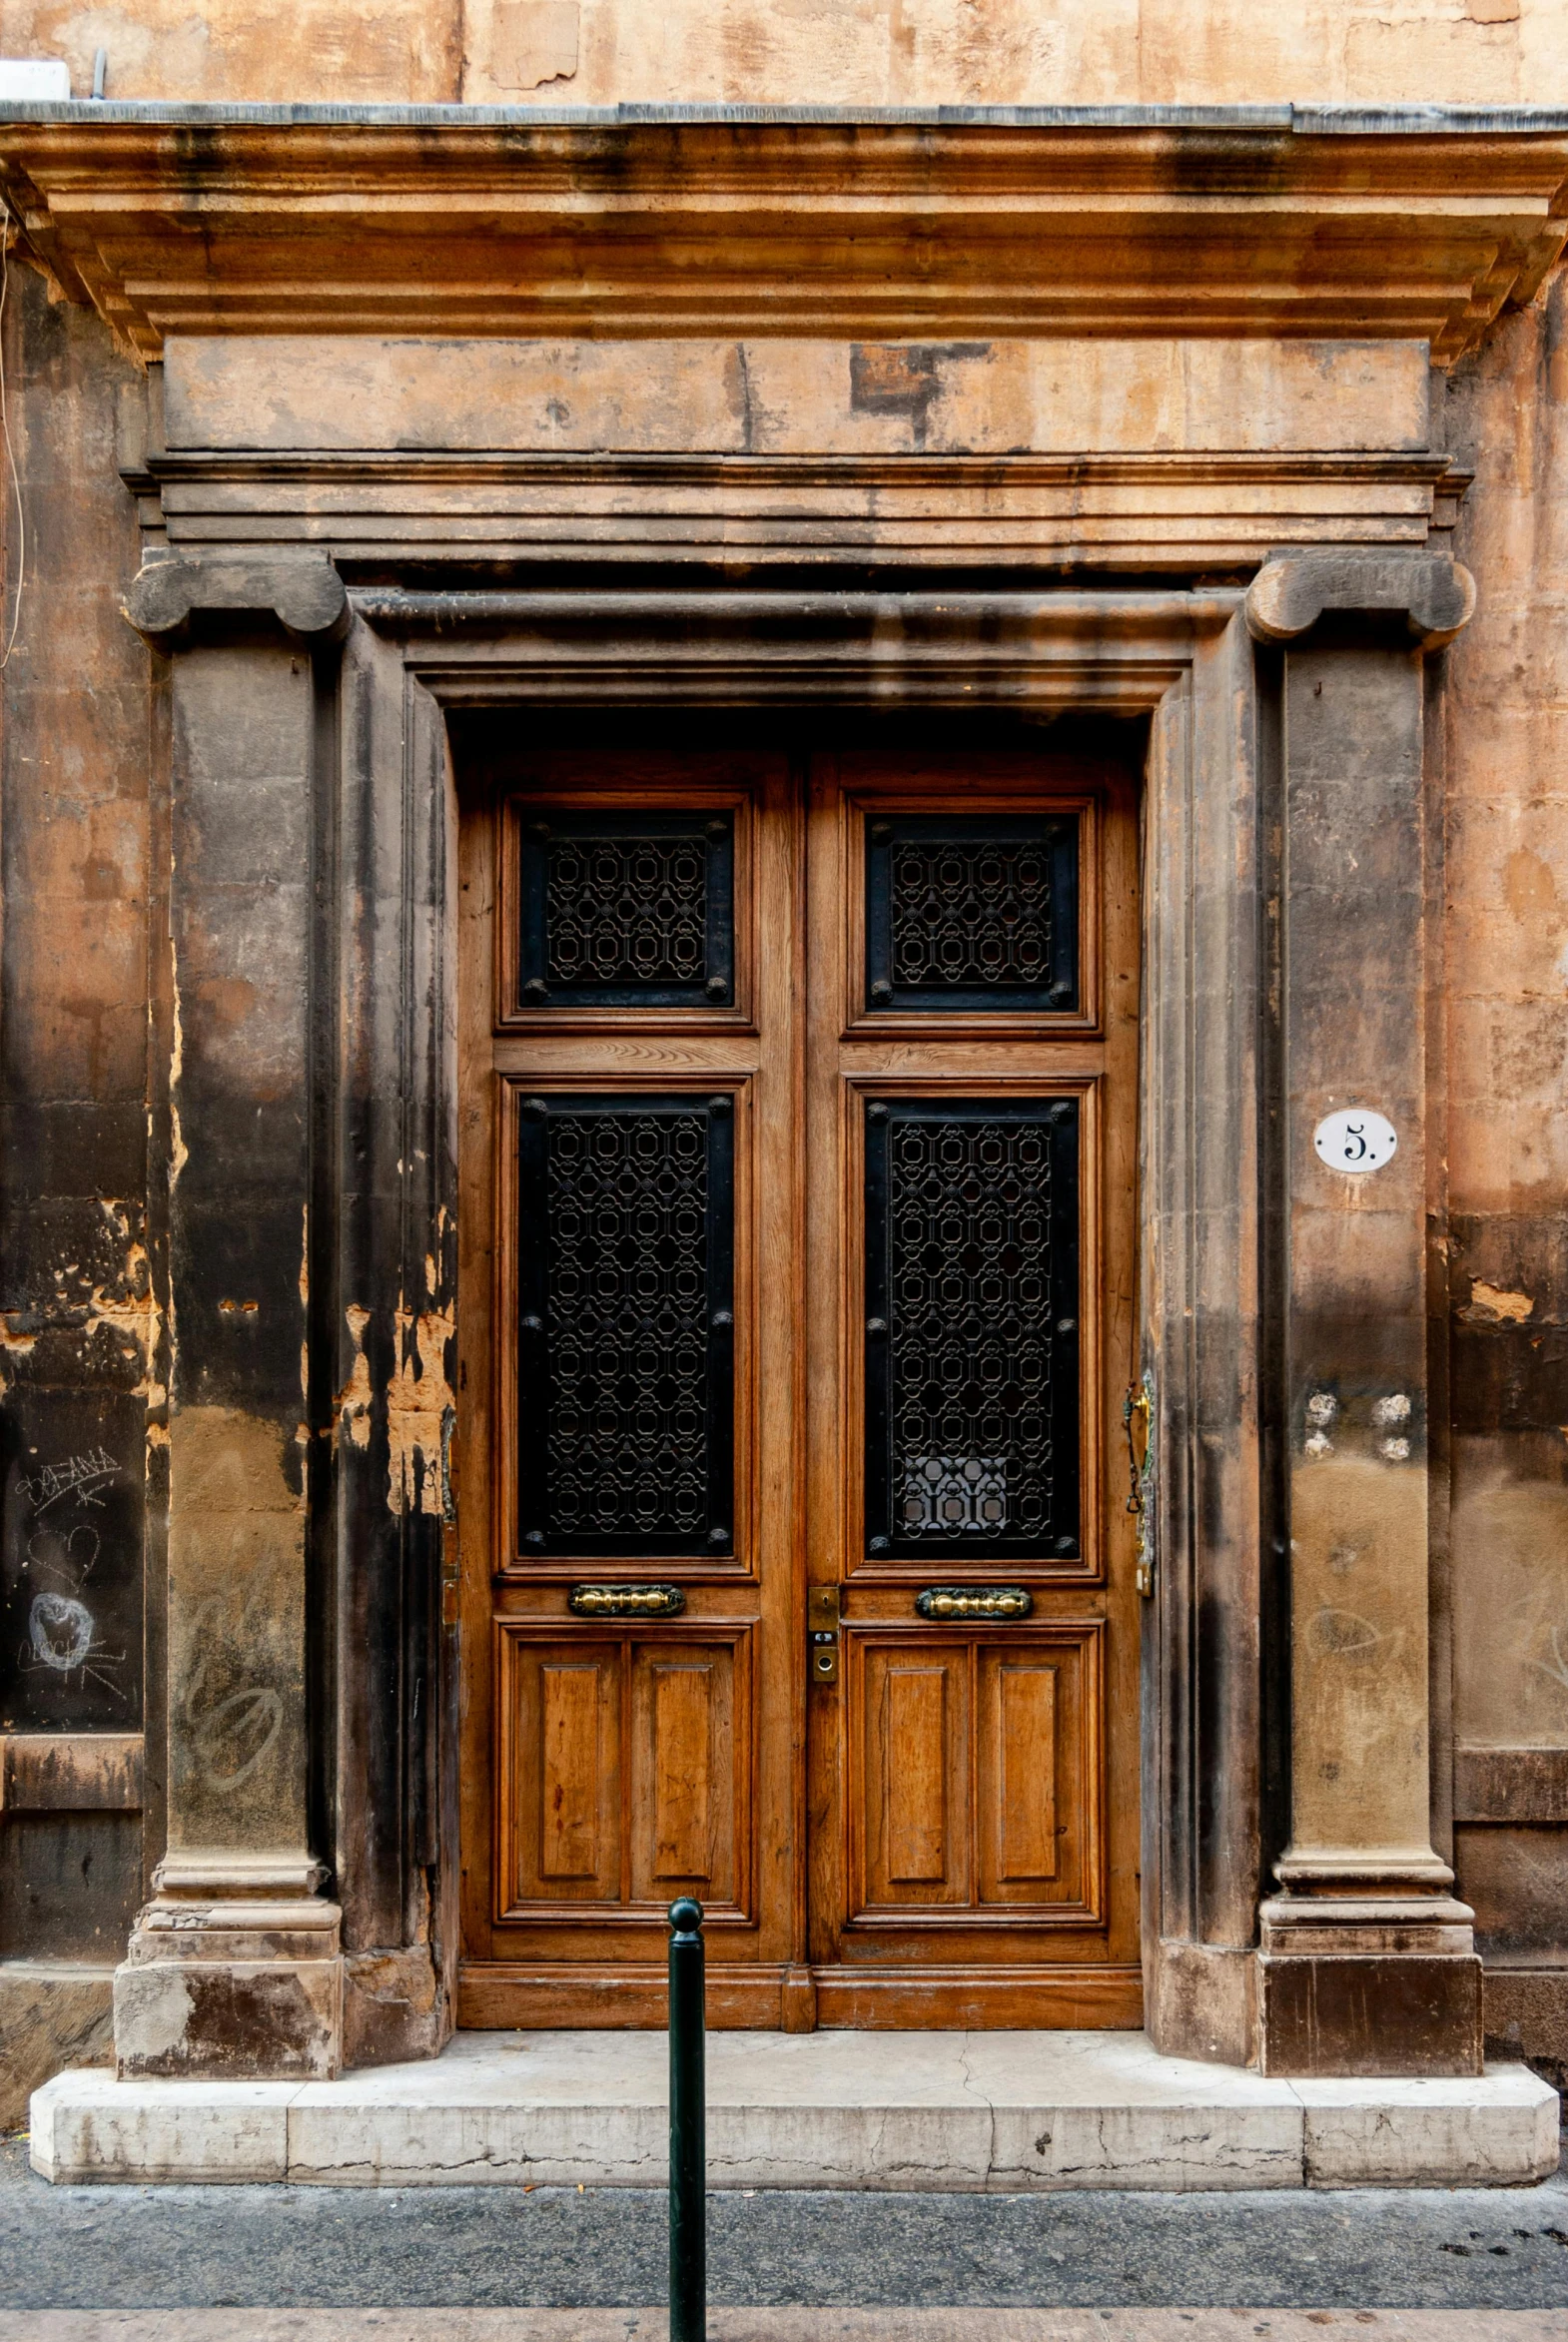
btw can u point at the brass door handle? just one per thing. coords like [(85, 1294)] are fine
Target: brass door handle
[(627, 1601), (975, 1602)]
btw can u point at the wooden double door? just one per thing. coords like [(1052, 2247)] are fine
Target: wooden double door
[(797, 1177)]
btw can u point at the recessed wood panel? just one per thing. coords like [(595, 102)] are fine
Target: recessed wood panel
[(1024, 1762), (570, 1702), (976, 1762), (1037, 1769), (626, 1770), (560, 1797), (914, 1805), (683, 1799)]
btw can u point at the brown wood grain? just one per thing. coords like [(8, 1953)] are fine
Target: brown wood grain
[(962, 1802), (1023, 1772), (973, 1793)]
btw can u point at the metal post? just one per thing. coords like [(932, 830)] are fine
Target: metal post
[(688, 2127)]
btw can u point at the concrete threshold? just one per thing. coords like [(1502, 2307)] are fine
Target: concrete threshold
[(1004, 2111)]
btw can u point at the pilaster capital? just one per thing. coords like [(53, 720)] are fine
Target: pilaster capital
[(1291, 592), (302, 592)]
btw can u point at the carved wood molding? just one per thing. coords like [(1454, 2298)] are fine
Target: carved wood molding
[(234, 220)]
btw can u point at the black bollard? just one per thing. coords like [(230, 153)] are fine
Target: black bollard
[(688, 2127)]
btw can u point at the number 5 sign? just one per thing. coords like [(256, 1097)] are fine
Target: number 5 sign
[(1355, 1139)]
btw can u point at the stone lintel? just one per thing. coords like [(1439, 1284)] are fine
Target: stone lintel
[(1434, 594), (301, 591)]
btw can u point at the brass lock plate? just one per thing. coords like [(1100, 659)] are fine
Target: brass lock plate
[(822, 1632)]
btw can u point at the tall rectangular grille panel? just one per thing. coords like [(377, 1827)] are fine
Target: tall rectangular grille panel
[(972, 1351), (625, 1337)]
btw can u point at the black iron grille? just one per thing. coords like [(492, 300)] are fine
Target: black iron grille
[(978, 913), (972, 1404), (625, 1343), (627, 910)]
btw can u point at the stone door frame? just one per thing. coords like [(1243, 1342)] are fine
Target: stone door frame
[(363, 1607)]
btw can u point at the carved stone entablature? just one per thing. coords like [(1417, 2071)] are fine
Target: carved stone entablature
[(1294, 590), (890, 224), (302, 592)]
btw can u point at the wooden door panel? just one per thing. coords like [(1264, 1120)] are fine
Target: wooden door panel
[(560, 1795), (1022, 1776), (624, 1774), (913, 1802), (1039, 1769), (689, 1776), (973, 1776)]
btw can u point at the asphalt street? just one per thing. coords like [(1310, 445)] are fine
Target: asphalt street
[(131, 2248)]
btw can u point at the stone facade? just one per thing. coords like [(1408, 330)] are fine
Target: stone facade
[(334, 431)]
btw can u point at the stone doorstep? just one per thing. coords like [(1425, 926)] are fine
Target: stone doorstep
[(1010, 2112)]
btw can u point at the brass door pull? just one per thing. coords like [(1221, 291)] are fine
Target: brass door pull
[(627, 1601), (975, 1602)]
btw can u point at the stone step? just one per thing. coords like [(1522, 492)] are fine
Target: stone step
[(1007, 2112)]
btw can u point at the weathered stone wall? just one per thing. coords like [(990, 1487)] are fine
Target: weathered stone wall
[(1507, 1017), (79, 1350), (851, 52)]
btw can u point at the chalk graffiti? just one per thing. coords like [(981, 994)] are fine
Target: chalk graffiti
[(231, 1733), (82, 1474), (61, 1630), (1557, 1669), (64, 1548)]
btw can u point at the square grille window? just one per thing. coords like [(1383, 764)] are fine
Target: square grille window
[(627, 1330), (971, 1263), (978, 913), (627, 910)]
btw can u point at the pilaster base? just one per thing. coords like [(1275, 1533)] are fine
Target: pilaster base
[(233, 1969), (1363, 1984)]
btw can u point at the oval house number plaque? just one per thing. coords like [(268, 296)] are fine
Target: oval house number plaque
[(1355, 1139)]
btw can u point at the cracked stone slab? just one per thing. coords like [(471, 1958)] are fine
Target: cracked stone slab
[(989, 2111), (86, 2124), (1415, 2134)]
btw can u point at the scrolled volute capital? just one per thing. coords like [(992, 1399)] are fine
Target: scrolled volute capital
[(302, 592), (1434, 594)]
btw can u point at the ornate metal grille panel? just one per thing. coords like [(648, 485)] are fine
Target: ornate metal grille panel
[(627, 910), (625, 1341), (971, 1400), (972, 914)]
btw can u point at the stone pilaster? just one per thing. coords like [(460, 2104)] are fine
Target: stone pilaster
[(234, 1964), (1368, 1963)]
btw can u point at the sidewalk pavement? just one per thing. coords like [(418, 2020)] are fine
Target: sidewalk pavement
[(483, 2263), (794, 2325)]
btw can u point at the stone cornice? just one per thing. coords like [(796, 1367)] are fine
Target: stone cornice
[(1189, 512), (1247, 221)]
